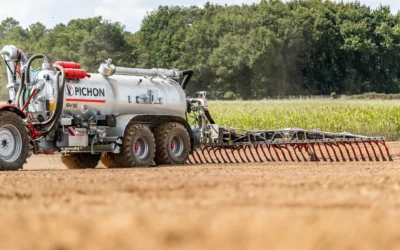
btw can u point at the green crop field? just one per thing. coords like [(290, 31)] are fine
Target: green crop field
[(365, 117)]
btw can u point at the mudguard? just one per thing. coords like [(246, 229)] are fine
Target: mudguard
[(13, 108)]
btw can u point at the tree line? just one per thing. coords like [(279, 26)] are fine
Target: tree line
[(249, 52)]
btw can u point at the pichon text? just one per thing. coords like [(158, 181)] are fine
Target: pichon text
[(83, 91)]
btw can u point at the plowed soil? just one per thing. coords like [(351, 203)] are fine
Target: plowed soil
[(352, 205)]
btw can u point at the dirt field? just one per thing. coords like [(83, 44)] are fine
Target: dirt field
[(255, 206)]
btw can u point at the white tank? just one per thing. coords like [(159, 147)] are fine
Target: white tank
[(122, 94)]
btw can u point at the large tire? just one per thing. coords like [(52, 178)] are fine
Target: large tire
[(172, 144), (14, 141), (138, 149), (80, 160)]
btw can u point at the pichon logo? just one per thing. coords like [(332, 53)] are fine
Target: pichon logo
[(83, 91), (70, 90)]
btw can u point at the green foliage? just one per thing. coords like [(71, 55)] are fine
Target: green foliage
[(373, 118), (229, 96), (272, 48), (83, 40), (374, 96)]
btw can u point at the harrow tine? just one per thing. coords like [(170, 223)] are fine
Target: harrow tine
[(354, 152), (276, 152), (290, 154), (265, 155), (282, 149), (269, 151), (241, 149), (334, 151), (359, 149), (313, 154), (294, 150), (279, 147), (210, 159), (195, 159), (251, 153), (204, 156), (300, 148), (233, 149), (198, 156), (217, 149), (380, 150), (387, 150), (340, 150), (209, 154), (329, 154), (347, 151), (373, 150), (190, 160), (214, 150), (322, 153), (258, 154), (304, 148), (366, 149), (238, 149), (227, 154), (222, 156)]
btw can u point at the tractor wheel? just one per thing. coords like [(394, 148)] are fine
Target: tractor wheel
[(138, 149), (80, 160), (14, 141), (172, 144)]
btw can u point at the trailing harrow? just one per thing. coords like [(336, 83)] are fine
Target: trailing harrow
[(292, 145), (221, 145)]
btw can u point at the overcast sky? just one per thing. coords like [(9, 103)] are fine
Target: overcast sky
[(128, 12)]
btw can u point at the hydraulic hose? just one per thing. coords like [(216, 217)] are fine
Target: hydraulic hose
[(28, 67), (27, 72), (19, 92), (188, 74), (55, 117), (21, 98), (18, 95)]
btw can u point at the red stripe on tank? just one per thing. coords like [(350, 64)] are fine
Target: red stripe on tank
[(85, 100)]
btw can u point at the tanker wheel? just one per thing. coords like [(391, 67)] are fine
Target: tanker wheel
[(172, 144), (138, 149), (80, 160), (14, 141)]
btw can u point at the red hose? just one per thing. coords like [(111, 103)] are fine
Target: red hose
[(29, 99)]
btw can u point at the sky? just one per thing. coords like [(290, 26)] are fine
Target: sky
[(128, 12)]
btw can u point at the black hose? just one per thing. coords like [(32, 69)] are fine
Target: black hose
[(208, 115), (27, 76), (18, 95), (60, 99), (28, 66), (59, 106), (20, 89), (22, 98), (188, 74)]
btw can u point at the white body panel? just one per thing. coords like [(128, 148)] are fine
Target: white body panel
[(117, 95)]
